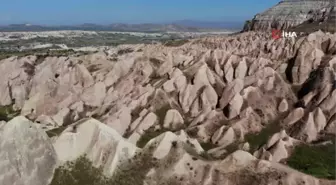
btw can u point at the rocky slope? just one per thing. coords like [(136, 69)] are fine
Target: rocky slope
[(163, 115), (167, 159), (305, 14)]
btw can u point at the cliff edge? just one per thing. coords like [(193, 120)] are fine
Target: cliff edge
[(298, 15)]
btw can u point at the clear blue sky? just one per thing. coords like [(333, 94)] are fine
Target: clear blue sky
[(127, 11)]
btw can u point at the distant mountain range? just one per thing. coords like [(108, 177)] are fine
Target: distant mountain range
[(229, 25), (178, 26)]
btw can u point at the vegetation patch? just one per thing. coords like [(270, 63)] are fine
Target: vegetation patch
[(206, 156), (207, 146), (83, 172), (136, 113), (40, 52), (152, 133), (148, 135), (176, 43), (161, 113), (156, 64), (231, 148), (125, 51), (135, 170), (256, 140), (7, 113), (93, 68), (55, 131), (318, 161), (251, 177), (79, 172), (311, 83), (310, 26)]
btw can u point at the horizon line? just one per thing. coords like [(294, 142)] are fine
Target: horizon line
[(177, 22)]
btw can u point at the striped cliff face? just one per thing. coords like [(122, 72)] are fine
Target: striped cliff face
[(324, 19), (291, 13)]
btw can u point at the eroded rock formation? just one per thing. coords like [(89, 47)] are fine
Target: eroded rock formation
[(206, 98), (305, 15)]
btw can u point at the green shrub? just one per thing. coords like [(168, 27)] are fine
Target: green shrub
[(125, 51), (207, 146), (55, 131), (7, 113), (231, 148), (256, 140), (79, 172), (318, 161), (148, 135), (136, 113), (82, 172), (206, 156), (134, 171), (161, 113), (156, 62), (176, 43)]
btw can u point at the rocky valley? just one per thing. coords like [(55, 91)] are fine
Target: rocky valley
[(243, 109), (193, 114)]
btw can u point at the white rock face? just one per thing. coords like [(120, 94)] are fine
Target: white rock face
[(277, 147), (230, 91), (61, 116), (314, 124), (173, 120), (236, 161), (169, 86), (140, 128), (227, 138), (2, 123), (119, 70), (94, 96), (241, 70), (235, 106), (100, 143), (120, 121), (163, 143), (46, 122), (14, 79), (228, 71), (283, 106), (27, 155), (294, 116)]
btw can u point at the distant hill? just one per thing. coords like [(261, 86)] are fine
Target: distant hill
[(96, 27), (227, 25), (177, 26)]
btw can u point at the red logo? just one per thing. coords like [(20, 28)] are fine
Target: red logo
[(276, 34)]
